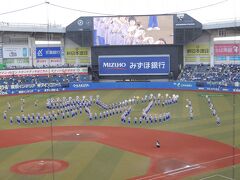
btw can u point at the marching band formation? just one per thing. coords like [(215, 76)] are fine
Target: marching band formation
[(68, 107)]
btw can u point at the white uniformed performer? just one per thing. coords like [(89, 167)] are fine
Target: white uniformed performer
[(9, 106), (218, 121), (157, 144), (5, 115), (21, 108), (36, 103), (11, 120)]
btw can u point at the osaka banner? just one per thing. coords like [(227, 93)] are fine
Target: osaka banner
[(134, 65), (48, 52)]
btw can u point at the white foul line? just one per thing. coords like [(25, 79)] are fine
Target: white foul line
[(171, 172), (216, 176), (151, 177), (179, 169)]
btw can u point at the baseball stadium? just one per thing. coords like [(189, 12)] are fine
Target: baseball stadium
[(141, 97)]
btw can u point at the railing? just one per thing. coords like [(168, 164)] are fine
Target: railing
[(32, 27)]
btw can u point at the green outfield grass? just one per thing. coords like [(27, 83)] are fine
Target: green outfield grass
[(88, 160), (88, 156)]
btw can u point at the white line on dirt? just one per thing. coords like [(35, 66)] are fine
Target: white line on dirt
[(160, 175)]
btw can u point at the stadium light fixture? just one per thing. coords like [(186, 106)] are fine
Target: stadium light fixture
[(47, 42), (230, 38)]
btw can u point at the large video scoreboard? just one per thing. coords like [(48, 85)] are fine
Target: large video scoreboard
[(133, 30), (165, 29), (135, 47)]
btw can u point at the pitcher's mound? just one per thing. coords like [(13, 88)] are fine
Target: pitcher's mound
[(39, 166)]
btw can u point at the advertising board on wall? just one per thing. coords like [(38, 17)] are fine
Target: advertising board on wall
[(76, 52), (134, 65), (227, 53), (76, 86), (226, 49), (1, 57), (48, 62), (48, 52), (197, 53), (1, 52), (15, 52), (27, 72), (81, 55), (19, 62)]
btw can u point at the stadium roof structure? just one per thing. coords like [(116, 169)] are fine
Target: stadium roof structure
[(53, 28), (222, 24), (20, 27)]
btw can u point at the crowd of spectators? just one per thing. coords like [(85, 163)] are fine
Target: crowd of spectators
[(222, 74), (42, 67), (63, 79)]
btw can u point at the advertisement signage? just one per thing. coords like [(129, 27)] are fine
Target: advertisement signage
[(1, 53), (53, 87), (76, 52), (8, 61), (134, 65), (2, 66), (16, 62), (48, 62), (78, 56), (227, 53), (226, 49), (48, 52), (227, 59), (28, 72), (133, 30), (15, 52), (133, 85), (197, 53)]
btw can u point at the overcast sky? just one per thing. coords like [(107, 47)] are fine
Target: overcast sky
[(48, 13)]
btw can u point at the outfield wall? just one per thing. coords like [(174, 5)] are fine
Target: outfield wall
[(78, 86)]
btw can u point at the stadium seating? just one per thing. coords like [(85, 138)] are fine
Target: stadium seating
[(224, 74), (39, 79), (41, 67)]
